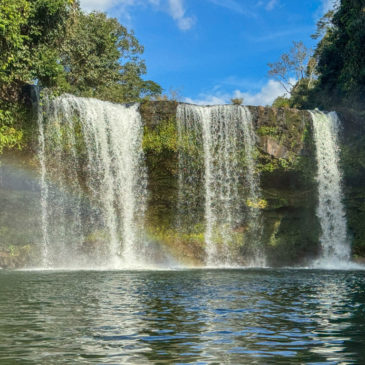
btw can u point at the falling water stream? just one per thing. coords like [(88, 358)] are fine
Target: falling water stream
[(330, 211), (93, 182), (224, 136)]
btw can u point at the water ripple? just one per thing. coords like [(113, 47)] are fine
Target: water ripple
[(201, 317)]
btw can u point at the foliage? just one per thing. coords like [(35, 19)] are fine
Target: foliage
[(171, 95), (30, 35), (341, 53), (335, 74), (30, 32), (259, 204), (11, 133), (268, 131), (102, 59), (9, 136), (162, 137), (188, 247), (53, 43), (281, 102), (324, 24), (13, 16), (58, 45)]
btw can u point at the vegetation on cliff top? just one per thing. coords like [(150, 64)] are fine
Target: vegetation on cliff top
[(335, 73), (55, 44)]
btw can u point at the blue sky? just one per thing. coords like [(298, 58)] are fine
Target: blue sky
[(209, 51)]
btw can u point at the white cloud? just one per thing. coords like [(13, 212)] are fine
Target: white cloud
[(271, 4), (268, 4), (265, 96), (268, 93), (175, 8), (234, 6), (205, 99), (177, 12)]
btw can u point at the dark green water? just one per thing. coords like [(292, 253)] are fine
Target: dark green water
[(204, 317)]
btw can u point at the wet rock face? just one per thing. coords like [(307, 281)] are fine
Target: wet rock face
[(352, 161), (286, 162), (285, 159), (273, 147), (154, 113)]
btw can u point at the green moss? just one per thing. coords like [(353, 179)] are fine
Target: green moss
[(269, 164), (268, 131), (273, 241), (14, 257), (188, 247), (185, 247), (275, 199), (162, 137), (272, 118)]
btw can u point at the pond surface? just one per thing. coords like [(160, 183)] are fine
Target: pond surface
[(176, 317)]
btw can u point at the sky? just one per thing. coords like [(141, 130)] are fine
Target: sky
[(209, 51)]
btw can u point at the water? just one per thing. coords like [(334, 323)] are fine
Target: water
[(218, 154), (43, 182), (330, 211), (93, 183), (206, 317)]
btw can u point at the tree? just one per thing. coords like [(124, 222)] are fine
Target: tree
[(13, 17), (324, 25), (53, 43), (292, 66), (341, 53), (102, 59), (30, 34), (281, 102)]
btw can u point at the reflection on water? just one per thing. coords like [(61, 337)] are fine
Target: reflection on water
[(202, 316)]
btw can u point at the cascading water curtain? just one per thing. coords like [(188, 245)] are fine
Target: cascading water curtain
[(93, 183), (217, 167), (330, 210)]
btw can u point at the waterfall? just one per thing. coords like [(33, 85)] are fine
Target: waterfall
[(43, 183), (93, 183), (330, 210), (216, 165)]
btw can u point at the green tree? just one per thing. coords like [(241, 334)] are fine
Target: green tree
[(102, 59), (281, 102), (13, 17), (53, 43), (30, 34), (341, 53), (338, 61)]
